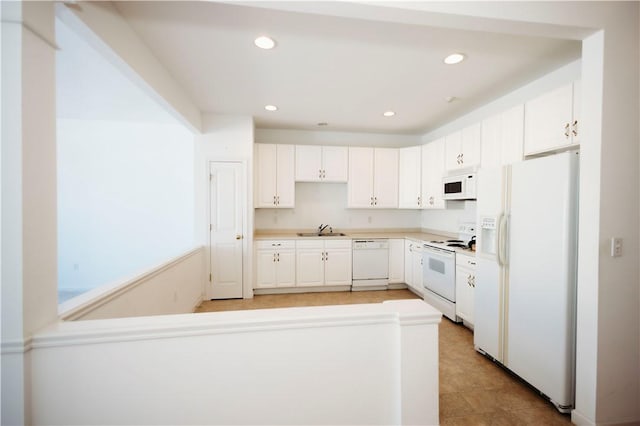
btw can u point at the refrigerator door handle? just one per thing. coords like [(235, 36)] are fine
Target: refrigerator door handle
[(502, 240)]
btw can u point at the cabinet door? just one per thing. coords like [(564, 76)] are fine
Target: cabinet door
[(512, 135), (335, 163), (575, 124), (310, 266), (408, 263), (266, 269), (385, 178), (337, 267), (285, 176), (453, 151), (308, 163), (360, 184), (266, 162), (286, 272), (491, 148), (416, 271), (547, 121), (409, 178), (464, 294), (471, 137), (432, 171), (396, 261)]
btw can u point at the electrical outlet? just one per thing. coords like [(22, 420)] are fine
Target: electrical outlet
[(616, 247)]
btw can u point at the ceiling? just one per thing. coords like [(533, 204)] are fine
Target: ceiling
[(341, 71)]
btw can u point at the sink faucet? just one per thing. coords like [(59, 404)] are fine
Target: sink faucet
[(322, 228)]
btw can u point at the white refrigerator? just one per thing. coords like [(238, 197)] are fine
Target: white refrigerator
[(525, 294)]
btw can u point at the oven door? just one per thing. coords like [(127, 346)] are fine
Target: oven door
[(439, 272)]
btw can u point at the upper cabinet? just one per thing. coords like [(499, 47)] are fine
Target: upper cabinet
[(321, 163), (432, 172), (373, 178), (275, 185), (409, 191), (551, 120), (503, 138), (463, 148)]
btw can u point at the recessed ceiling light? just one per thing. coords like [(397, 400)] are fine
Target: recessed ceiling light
[(323, 123), (454, 58), (271, 107), (450, 99), (264, 42), (389, 113)]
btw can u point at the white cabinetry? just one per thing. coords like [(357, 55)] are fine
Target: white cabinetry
[(432, 172), (463, 148), (321, 262), (410, 174), (373, 178), (465, 285), (275, 264), (396, 261), (413, 265), (551, 120), (321, 163), (275, 185), (503, 138)]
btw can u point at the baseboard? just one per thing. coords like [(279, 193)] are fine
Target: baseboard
[(581, 420), (260, 291)]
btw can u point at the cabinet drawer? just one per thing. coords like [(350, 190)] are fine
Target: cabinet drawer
[(275, 244), (310, 244), (465, 261), (337, 244)]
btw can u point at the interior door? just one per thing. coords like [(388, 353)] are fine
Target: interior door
[(226, 230)]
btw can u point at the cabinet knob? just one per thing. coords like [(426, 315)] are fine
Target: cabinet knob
[(238, 237)]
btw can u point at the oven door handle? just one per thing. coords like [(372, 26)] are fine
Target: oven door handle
[(438, 251)]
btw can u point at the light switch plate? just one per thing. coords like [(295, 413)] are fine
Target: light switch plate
[(616, 247)]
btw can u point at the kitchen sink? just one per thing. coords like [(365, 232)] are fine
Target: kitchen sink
[(315, 234)]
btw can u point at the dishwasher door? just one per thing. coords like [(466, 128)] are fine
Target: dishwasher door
[(370, 260)]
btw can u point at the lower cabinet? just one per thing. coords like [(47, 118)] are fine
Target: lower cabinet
[(396, 261), (275, 264), (465, 286), (323, 263), (413, 266)]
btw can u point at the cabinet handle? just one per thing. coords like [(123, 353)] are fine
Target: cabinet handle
[(375, 201), (274, 200), (326, 255), (462, 158), (566, 130), (574, 129), (274, 257), (320, 173), (418, 200), (278, 257), (278, 200), (431, 200), (371, 203), (472, 262)]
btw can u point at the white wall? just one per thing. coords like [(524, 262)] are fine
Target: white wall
[(125, 198), (457, 212), (350, 364), (311, 137), (173, 287), (326, 203), (225, 138)]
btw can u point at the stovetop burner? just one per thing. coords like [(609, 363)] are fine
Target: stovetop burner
[(437, 242), (455, 241), (457, 245)]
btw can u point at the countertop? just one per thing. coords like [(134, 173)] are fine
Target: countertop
[(412, 234)]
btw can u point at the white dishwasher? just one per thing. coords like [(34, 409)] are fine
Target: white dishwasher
[(370, 264)]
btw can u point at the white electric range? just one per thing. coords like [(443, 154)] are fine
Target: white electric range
[(439, 270)]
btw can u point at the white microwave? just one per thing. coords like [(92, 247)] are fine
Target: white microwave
[(459, 187)]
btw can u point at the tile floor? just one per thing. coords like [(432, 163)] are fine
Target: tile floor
[(473, 390)]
